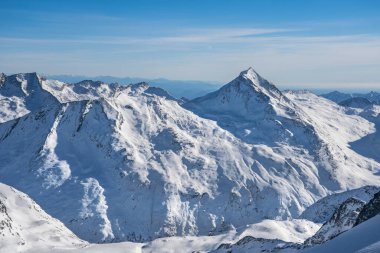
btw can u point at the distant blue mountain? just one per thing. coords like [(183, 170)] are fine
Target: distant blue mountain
[(347, 98)]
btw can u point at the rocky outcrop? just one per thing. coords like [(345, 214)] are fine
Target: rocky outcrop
[(371, 209), (342, 220)]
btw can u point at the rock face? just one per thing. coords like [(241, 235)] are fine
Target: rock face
[(371, 209), (117, 163), (342, 220)]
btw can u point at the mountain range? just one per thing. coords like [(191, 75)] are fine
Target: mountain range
[(116, 163)]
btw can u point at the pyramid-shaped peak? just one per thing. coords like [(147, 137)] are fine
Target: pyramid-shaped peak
[(250, 72), (251, 75), (251, 78)]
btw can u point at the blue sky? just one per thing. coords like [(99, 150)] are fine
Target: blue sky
[(317, 44)]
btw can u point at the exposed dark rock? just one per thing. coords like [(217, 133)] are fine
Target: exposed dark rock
[(371, 209)]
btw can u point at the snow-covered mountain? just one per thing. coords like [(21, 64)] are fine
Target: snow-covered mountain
[(256, 112), (117, 163)]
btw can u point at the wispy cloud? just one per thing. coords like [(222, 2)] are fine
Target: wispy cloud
[(183, 36), (285, 55)]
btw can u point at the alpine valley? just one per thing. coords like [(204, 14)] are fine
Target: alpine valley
[(96, 167)]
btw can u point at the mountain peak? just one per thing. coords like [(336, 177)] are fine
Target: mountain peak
[(251, 75), (252, 79)]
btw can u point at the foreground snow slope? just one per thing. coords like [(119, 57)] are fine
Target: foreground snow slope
[(340, 234), (25, 226), (363, 238), (129, 163)]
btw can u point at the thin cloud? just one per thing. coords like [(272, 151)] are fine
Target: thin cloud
[(185, 36), (283, 55)]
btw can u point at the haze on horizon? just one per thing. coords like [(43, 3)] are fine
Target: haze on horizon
[(296, 43)]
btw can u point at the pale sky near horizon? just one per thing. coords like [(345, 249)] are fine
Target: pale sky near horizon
[(306, 44)]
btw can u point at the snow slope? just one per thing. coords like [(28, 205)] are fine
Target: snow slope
[(24, 226), (338, 130), (369, 145)]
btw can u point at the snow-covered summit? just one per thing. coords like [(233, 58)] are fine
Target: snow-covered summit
[(259, 83)]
